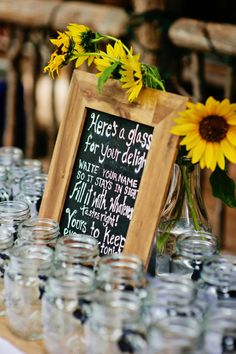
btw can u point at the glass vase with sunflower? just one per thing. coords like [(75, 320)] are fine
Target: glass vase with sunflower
[(208, 140), (208, 133)]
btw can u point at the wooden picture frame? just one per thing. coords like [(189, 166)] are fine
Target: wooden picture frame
[(153, 108)]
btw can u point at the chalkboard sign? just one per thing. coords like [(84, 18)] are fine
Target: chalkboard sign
[(111, 165), (105, 179)]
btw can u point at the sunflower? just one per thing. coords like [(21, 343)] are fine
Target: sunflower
[(62, 41), (83, 43), (55, 63), (131, 76), (209, 132), (61, 55), (112, 54)]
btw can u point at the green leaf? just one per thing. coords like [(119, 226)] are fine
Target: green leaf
[(223, 187), (106, 74), (151, 77)]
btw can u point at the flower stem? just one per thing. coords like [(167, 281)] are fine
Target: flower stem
[(190, 198), (95, 54), (99, 37), (159, 82), (116, 40)]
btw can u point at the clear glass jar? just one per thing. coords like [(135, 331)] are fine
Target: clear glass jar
[(38, 230), (170, 295), (11, 155), (218, 278), (121, 272), (66, 306), (192, 248), (175, 335), (6, 243), (220, 328), (34, 164), (25, 276), (12, 214), (5, 192), (77, 249), (115, 325), (16, 173), (31, 191)]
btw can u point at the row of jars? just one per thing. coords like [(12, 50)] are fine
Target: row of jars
[(99, 309), (21, 178), (58, 289)]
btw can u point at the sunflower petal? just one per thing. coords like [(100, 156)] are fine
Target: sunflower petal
[(80, 61), (211, 106), (232, 119), (198, 151), (225, 108), (200, 110), (190, 138), (183, 129), (209, 154), (220, 156), (228, 150), (202, 162), (214, 157), (231, 136)]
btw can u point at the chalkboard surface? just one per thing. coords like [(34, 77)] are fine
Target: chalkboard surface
[(105, 179)]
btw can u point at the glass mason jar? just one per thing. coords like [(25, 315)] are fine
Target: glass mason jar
[(115, 325), (217, 279), (34, 164), (66, 306), (77, 249), (10, 155), (12, 214), (169, 295), (192, 248), (220, 328), (32, 187), (121, 272), (6, 243), (184, 210), (5, 192), (38, 230), (25, 276), (175, 335), (16, 173)]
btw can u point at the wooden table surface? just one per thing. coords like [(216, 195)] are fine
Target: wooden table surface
[(27, 347)]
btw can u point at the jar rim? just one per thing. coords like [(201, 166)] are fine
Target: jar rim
[(79, 280), (219, 269), (14, 209), (40, 225), (71, 243)]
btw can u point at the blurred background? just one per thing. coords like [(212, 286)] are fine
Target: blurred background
[(192, 43)]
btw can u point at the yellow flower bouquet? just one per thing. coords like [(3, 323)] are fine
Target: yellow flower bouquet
[(207, 131), (79, 44)]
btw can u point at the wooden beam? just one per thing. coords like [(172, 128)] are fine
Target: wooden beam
[(55, 14), (147, 41), (204, 36)]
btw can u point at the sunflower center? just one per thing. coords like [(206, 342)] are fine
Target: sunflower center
[(213, 128)]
